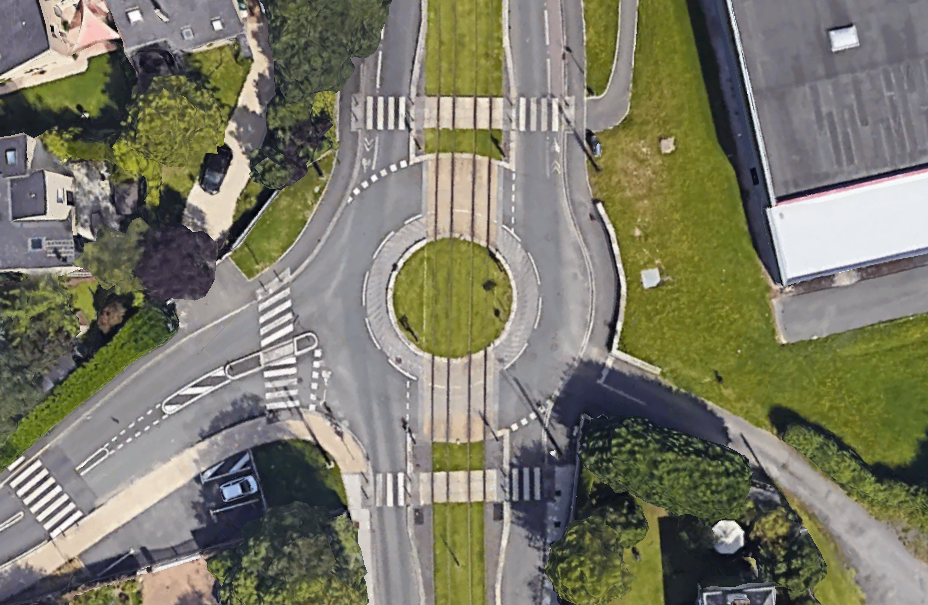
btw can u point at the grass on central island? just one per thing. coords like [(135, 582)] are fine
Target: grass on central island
[(459, 554), (487, 143), (464, 48), (452, 298), (682, 212)]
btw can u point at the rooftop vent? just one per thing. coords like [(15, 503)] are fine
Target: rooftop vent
[(843, 38)]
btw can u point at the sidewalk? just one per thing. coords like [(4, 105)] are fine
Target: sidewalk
[(886, 571), (242, 135), (169, 477)]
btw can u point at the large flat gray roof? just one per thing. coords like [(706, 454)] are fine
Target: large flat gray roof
[(828, 118)]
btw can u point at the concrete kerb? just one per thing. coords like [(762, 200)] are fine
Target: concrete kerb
[(416, 69), (615, 55), (510, 72), (173, 474)]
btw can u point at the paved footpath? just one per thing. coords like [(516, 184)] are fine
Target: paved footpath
[(179, 471), (887, 572), (609, 109)]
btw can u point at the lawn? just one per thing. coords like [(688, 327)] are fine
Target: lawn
[(281, 225), (464, 48), (602, 30), (223, 71), (82, 299), (180, 179), (682, 212), (103, 91), (459, 554), (448, 457), (481, 142), (296, 471), (648, 588), (455, 299), (248, 199), (838, 586)]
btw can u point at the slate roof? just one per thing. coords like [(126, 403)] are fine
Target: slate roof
[(828, 118), (181, 14), (757, 594), (22, 33), (15, 202)]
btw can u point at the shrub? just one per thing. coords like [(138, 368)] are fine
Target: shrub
[(887, 497), (147, 330)]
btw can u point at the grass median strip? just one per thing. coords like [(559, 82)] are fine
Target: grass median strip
[(280, 226), (459, 554), (464, 48), (602, 30), (449, 457), (487, 143), (682, 212)]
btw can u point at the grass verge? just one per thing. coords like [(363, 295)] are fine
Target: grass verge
[(602, 31), (145, 331), (248, 199), (451, 298), (487, 143), (281, 225), (449, 457), (464, 48), (459, 554), (180, 179), (839, 585), (297, 471), (682, 212)]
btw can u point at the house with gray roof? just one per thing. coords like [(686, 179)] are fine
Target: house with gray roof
[(176, 25), (37, 217)]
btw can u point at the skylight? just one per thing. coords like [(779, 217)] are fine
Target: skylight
[(843, 38), (134, 14), (217, 24)]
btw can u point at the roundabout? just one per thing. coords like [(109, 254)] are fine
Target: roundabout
[(452, 297)]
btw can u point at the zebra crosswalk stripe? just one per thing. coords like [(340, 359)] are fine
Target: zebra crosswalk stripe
[(380, 113), (370, 113), (525, 484), (391, 113), (402, 120)]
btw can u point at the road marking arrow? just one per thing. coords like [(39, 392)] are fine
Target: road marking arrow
[(365, 162), (368, 144), (557, 167)]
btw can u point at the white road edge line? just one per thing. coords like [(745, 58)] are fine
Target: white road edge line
[(367, 322), (12, 521), (534, 268)]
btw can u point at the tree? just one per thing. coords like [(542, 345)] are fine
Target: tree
[(626, 518), (293, 554), (177, 263), (586, 566), (174, 123), (113, 256), (667, 468), (36, 319), (20, 393), (785, 554)]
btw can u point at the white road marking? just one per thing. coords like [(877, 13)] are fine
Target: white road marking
[(39, 491), (281, 372), (380, 111), (276, 310), (283, 319), (25, 474), (67, 523), (45, 500), (273, 299), (32, 482), (537, 483), (391, 113), (55, 506), (370, 113), (286, 330)]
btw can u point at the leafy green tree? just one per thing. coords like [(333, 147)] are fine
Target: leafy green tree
[(785, 554), (667, 468), (20, 393), (174, 123), (626, 518), (36, 319), (293, 554), (113, 256), (586, 566)]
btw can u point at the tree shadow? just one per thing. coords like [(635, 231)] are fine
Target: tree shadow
[(249, 128), (243, 408)]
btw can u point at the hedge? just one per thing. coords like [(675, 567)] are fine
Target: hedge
[(146, 330), (885, 497)]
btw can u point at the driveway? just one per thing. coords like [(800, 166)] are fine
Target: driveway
[(244, 133)]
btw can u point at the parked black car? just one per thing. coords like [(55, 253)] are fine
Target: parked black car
[(215, 167)]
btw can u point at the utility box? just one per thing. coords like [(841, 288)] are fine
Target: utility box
[(650, 278)]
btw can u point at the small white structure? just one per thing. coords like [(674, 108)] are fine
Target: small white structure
[(650, 278), (729, 537)]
